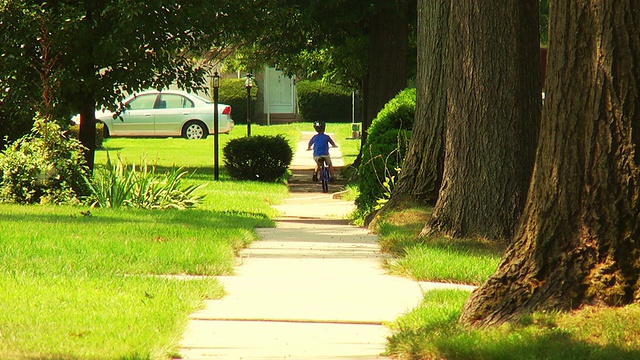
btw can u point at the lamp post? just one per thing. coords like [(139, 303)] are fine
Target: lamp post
[(248, 84), (216, 153)]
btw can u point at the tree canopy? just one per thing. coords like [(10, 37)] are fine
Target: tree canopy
[(66, 57)]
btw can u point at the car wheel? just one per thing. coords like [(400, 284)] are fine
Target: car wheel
[(195, 130)]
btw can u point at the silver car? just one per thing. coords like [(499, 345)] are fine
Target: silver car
[(166, 113)]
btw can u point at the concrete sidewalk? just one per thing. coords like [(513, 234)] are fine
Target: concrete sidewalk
[(311, 288)]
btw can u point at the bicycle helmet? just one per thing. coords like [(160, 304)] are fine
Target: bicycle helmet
[(319, 126)]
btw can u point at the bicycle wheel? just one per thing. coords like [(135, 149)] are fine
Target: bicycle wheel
[(325, 179)]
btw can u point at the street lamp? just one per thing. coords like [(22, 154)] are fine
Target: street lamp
[(248, 84), (216, 152)]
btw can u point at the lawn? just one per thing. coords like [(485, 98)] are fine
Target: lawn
[(431, 331), (80, 283)]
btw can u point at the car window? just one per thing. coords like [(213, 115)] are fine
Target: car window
[(142, 102), (173, 101), (208, 101)]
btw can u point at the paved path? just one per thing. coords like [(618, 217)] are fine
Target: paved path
[(311, 288)]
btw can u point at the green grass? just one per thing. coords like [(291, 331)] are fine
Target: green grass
[(449, 260), (79, 283), (83, 285), (350, 148), (52, 316), (431, 330), (193, 155), (466, 261)]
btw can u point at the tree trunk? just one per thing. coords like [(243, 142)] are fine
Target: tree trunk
[(493, 115), (388, 69), (578, 242), (87, 131), (421, 173)]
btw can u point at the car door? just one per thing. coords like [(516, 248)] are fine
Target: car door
[(172, 112), (137, 119)]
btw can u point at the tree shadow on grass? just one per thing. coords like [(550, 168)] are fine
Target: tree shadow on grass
[(205, 219), (552, 345), (444, 339)]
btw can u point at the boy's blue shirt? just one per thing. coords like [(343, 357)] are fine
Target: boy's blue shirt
[(320, 144)]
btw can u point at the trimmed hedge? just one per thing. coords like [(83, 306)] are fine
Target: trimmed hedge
[(318, 101), (258, 158), (385, 148), (234, 93)]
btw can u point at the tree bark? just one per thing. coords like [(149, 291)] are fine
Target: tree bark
[(421, 174), (87, 128), (492, 118), (578, 242), (388, 68)]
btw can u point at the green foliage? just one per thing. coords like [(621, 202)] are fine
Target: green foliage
[(126, 186), (544, 22), (43, 167), (383, 153), (14, 123), (74, 133), (68, 50), (319, 101), (234, 92), (262, 158), (388, 185)]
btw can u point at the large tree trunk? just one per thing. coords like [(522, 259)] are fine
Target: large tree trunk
[(578, 242), (493, 115), (421, 173), (388, 57)]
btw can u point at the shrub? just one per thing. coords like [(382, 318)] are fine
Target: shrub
[(119, 185), (383, 153), (234, 93), (74, 132), (262, 158), (44, 166), (318, 101)]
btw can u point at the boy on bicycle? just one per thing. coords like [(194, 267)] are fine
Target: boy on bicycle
[(320, 143)]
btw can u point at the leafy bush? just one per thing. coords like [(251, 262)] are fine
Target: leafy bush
[(383, 153), (119, 185), (234, 93), (44, 166), (262, 158), (319, 101), (74, 132)]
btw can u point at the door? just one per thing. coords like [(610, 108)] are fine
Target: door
[(280, 92), (137, 118), (173, 111)]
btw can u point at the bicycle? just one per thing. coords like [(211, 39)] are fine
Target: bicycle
[(323, 175)]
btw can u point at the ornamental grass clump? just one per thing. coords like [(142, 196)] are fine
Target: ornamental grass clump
[(118, 185)]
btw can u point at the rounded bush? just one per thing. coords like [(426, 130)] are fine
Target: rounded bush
[(261, 158), (43, 167), (386, 146), (319, 101)]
